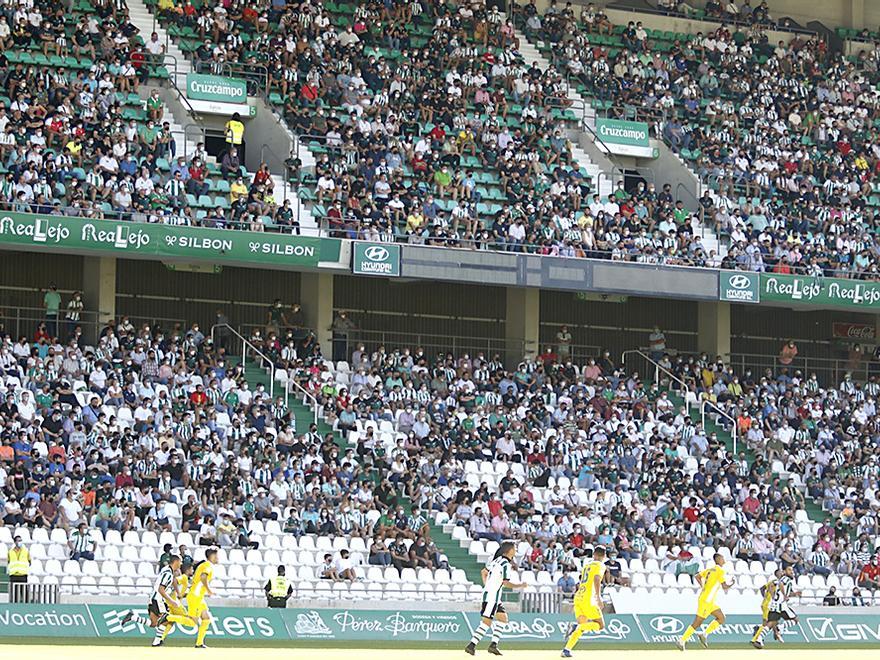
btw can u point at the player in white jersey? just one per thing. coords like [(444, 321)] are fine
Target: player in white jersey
[(779, 612), (492, 614), (164, 604)]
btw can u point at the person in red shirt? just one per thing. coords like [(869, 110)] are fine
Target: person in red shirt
[(196, 184), (691, 513), (869, 578), (198, 396), (751, 505)]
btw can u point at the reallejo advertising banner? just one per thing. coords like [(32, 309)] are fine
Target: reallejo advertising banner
[(372, 628), (820, 291), (132, 240)]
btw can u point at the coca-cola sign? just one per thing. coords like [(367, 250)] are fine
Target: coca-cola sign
[(853, 331)]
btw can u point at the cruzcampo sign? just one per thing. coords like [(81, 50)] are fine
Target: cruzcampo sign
[(735, 286), (820, 291), (627, 138), (200, 87), (376, 259), (142, 240)]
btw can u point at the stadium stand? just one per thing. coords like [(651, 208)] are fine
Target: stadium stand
[(791, 182), (153, 438)]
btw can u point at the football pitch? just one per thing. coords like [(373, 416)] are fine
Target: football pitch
[(100, 652)]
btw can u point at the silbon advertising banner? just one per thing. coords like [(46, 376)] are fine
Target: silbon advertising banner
[(820, 291), (627, 138), (376, 259), (130, 239)]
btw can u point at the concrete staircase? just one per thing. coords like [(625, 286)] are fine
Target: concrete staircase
[(181, 65), (603, 183), (713, 425), (532, 55)]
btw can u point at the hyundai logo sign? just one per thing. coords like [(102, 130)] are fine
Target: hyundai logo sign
[(667, 625), (376, 253), (739, 282)]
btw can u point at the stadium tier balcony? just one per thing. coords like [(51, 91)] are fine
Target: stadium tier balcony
[(791, 177)]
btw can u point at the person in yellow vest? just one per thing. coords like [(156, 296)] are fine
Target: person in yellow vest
[(234, 131), (18, 565), (278, 589)]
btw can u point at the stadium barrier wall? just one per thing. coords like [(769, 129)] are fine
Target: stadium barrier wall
[(386, 627)]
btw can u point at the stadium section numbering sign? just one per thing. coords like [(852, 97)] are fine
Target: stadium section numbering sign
[(376, 259), (820, 291), (739, 287), (132, 239), (627, 138)]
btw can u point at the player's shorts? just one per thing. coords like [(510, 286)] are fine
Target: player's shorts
[(785, 614), (195, 607), (157, 606), (705, 609), (586, 607), (765, 610), (489, 609)]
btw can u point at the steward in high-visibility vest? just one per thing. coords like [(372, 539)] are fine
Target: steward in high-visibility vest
[(18, 565), (234, 130), (278, 589)]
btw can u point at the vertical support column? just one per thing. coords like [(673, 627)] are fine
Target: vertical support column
[(99, 291), (522, 323), (857, 14), (316, 298), (713, 329)]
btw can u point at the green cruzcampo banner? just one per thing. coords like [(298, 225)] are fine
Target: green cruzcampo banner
[(200, 87), (820, 291), (139, 240), (628, 138), (739, 287), (370, 628), (376, 259)]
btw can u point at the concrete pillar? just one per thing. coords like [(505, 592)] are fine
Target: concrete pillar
[(99, 290), (857, 14), (522, 323), (316, 298), (713, 329)]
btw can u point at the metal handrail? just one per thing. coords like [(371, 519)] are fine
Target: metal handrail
[(307, 396), (660, 369), (704, 403), (245, 344)]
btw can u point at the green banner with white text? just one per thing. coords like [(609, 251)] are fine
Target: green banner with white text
[(820, 291), (376, 628), (132, 240)]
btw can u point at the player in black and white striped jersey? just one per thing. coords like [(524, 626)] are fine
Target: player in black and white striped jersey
[(164, 606), (492, 614), (779, 612)]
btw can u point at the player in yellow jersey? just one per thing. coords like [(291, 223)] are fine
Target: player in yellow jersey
[(200, 589), (181, 586), (711, 580), (767, 592), (588, 601)]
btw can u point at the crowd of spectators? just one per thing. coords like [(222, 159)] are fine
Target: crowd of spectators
[(782, 134), (429, 127), (556, 455), (80, 136)]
